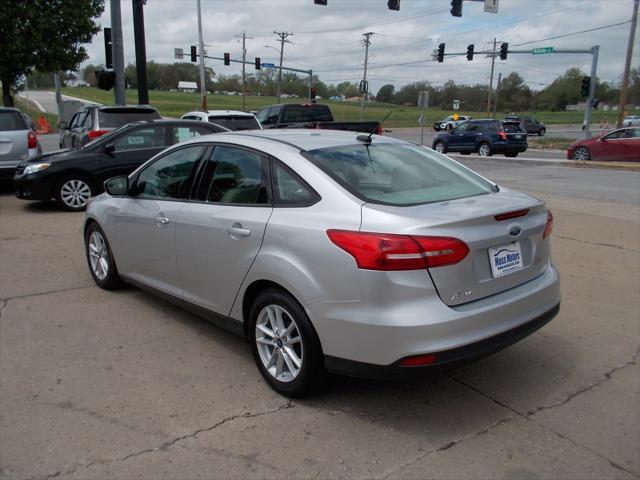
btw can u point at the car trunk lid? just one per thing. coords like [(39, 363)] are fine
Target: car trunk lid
[(473, 220)]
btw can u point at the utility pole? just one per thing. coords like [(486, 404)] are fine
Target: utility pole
[(493, 61), (118, 52), (141, 51), (203, 86), (244, 60), (59, 104), (495, 101), (364, 90), (592, 90), (627, 66), (283, 38)]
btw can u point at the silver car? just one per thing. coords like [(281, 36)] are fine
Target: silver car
[(18, 140), (330, 251)]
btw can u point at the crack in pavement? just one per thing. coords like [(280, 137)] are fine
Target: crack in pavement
[(165, 445), (601, 244), (6, 300)]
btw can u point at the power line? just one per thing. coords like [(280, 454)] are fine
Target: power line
[(574, 33)]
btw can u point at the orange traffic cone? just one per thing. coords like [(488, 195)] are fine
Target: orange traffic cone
[(43, 125)]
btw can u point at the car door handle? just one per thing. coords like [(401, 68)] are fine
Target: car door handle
[(238, 231), (160, 220)]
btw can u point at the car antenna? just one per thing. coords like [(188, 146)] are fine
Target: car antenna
[(367, 138)]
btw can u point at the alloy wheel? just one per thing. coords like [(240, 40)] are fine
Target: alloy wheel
[(484, 150), (98, 255), (75, 193), (581, 153), (279, 343), (440, 147)]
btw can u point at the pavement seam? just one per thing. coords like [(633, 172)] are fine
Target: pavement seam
[(164, 446), (19, 297), (601, 244)]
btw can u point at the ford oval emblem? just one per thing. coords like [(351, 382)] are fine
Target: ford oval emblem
[(515, 231)]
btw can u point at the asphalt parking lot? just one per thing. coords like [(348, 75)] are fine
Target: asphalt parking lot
[(97, 384)]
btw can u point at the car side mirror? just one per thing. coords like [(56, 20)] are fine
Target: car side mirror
[(63, 125), (117, 186), (109, 148)]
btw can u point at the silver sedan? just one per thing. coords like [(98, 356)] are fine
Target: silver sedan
[(330, 251)]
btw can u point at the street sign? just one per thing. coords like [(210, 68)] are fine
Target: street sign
[(491, 6), (541, 50), (423, 99), (178, 53), (268, 65), (456, 104)]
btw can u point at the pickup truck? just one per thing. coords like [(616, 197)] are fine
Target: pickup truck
[(291, 115)]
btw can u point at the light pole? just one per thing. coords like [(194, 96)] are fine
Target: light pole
[(278, 91)]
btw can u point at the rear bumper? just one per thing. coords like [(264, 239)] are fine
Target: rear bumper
[(444, 359), (382, 334), (504, 147)]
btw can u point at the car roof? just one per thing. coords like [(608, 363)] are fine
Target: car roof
[(126, 108), (304, 139)]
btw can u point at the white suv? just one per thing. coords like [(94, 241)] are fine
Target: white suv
[(631, 121), (231, 119)]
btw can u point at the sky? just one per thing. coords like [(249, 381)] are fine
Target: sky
[(328, 39)]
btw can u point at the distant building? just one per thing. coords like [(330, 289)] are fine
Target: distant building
[(187, 86)]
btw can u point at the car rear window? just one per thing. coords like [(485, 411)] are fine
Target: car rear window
[(11, 120), (311, 113), (512, 127), (113, 118), (398, 174), (236, 123)]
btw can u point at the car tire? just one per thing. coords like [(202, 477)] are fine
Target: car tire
[(102, 265), (440, 147), (74, 191), (484, 150), (542, 131), (582, 153), (289, 359), (511, 154)]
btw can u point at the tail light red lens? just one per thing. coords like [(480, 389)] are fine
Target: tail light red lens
[(379, 129), (549, 226), (510, 215), (502, 134), (96, 133), (32, 140), (418, 361), (389, 252)]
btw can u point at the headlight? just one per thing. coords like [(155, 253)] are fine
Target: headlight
[(35, 167)]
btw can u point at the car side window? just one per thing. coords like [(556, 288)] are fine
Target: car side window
[(86, 121), (272, 116), (234, 175), (170, 177), (74, 120), (179, 134), (289, 189), (146, 137), (615, 135)]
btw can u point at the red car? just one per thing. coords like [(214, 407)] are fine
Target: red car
[(622, 144)]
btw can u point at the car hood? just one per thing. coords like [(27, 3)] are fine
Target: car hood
[(56, 156)]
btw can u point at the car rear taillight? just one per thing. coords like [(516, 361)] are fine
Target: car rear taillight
[(96, 133), (549, 226), (389, 252), (509, 215), (379, 129), (32, 140), (502, 134), (418, 360)]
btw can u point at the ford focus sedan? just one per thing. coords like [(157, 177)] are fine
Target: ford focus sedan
[(330, 251)]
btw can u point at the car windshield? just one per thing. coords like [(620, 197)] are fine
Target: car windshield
[(236, 123), (115, 117), (398, 174), (11, 120)]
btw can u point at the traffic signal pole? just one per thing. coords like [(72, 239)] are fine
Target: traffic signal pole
[(141, 51), (203, 86), (493, 62), (118, 53), (627, 66)]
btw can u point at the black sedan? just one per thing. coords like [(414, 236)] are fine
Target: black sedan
[(71, 177)]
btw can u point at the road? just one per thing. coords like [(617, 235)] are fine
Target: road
[(47, 100), (97, 384)]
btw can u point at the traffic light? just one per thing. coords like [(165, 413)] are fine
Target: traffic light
[(470, 52), (106, 80), (227, 59), (320, 2), (393, 4), (313, 94), (456, 8), (108, 52), (257, 63), (194, 54), (504, 49), (441, 53), (586, 85)]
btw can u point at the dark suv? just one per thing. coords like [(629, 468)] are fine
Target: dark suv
[(485, 137), (93, 121), (528, 124)]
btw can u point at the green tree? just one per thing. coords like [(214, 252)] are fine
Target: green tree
[(385, 94), (89, 74), (44, 34)]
